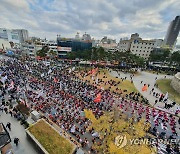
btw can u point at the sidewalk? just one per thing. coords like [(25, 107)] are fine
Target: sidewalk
[(17, 130)]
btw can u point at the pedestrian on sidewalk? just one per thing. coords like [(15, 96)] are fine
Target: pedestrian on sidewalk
[(16, 141), (10, 112), (156, 101), (8, 125)]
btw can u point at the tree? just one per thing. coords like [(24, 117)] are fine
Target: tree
[(159, 55), (101, 53), (175, 57), (110, 125), (71, 55), (52, 53), (43, 51)]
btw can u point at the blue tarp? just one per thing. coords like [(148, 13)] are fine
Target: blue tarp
[(10, 53)]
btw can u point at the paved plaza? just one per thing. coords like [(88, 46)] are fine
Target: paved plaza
[(147, 78)]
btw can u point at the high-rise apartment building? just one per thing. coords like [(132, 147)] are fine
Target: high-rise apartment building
[(172, 33)]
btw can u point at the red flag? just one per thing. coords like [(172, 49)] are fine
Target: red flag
[(11, 86), (93, 71), (98, 98), (144, 88), (55, 80)]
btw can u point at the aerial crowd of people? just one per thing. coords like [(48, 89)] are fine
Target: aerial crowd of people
[(57, 93)]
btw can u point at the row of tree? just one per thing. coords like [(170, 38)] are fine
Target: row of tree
[(96, 54), (99, 54), (164, 55)]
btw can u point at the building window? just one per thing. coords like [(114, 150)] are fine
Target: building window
[(139, 54), (139, 50), (141, 47), (137, 46), (144, 47), (133, 46), (143, 54)]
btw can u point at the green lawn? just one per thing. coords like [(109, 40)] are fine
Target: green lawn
[(164, 86), (125, 85), (50, 139)]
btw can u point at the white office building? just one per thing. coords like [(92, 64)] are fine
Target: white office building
[(158, 43), (23, 34), (52, 45), (9, 35), (14, 35), (138, 46)]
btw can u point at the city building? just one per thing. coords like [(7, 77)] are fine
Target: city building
[(77, 36), (28, 49), (52, 45), (66, 45), (14, 35), (31, 47), (86, 37), (158, 43), (4, 44), (108, 44), (9, 35), (138, 46), (95, 43), (172, 32), (23, 34)]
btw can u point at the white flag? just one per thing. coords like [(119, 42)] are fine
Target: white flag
[(70, 70), (3, 79), (73, 129), (156, 117), (40, 94), (73, 68), (49, 71), (27, 67), (162, 126), (97, 80), (42, 74), (60, 86)]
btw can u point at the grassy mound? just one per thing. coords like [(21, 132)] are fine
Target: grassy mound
[(50, 139), (164, 86)]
